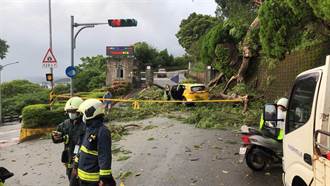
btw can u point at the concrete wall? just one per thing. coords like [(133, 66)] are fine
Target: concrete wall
[(128, 65)]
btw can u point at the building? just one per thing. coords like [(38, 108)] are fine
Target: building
[(122, 65)]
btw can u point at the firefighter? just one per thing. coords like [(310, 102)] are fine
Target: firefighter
[(70, 132), (94, 159)]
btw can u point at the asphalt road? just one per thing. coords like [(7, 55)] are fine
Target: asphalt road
[(9, 134), (169, 154)]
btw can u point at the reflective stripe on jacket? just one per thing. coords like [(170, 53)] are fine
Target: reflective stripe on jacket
[(94, 162)]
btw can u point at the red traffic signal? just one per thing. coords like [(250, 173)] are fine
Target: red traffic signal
[(122, 22)]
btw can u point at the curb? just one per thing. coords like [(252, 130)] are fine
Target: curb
[(26, 133)]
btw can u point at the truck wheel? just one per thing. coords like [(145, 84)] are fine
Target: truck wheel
[(297, 181), (255, 160)]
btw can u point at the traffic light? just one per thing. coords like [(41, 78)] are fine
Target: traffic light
[(122, 22), (49, 77)]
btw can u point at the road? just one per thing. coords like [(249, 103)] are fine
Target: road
[(9, 134), (170, 153)]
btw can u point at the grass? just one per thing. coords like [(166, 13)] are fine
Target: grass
[(151, 139)]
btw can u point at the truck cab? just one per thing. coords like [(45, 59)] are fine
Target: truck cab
[(306, 143)]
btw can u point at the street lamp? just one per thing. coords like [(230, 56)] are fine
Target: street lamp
[(1, 68), (111, 22)]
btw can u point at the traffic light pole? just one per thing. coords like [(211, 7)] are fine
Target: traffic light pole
[(72, 54), (111, 22), (73, 41)]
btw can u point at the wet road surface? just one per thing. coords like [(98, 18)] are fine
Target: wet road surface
[(168, 154)]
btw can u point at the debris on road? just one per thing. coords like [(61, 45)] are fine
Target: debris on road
[(187, 149), (123, 158), (123, 175), (149, 127), (193, 159)]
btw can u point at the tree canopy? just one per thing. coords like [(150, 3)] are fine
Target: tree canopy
[(286, 25), (148, 55), (19, 93), (3, 48), (243, 29), (91, 73), (193, 28)]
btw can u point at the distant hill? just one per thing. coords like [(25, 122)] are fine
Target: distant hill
[(62, 80)]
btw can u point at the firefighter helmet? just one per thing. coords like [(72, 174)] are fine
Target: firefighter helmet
[(73, 104), (91, 108)]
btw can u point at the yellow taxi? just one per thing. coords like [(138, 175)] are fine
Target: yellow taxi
[(194, 92)]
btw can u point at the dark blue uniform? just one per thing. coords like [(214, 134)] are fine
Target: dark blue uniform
[(94, 162), (72, 133)]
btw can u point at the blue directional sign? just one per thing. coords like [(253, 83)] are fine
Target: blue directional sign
[(71, 71)]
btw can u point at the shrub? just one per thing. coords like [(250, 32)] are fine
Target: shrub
[(40, 115), (19, 93), (62, 88)]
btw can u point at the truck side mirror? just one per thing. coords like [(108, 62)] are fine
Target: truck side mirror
[(270, 112)]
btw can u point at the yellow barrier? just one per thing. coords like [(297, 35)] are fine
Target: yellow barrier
[(26, 133)]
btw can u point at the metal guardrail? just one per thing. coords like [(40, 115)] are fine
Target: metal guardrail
[(11, 118)]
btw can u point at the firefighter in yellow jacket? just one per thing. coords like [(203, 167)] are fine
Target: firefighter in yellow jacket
[(94, 159)]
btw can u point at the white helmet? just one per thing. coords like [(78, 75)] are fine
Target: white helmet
[(283, 102), (91, 108), (73, 104)]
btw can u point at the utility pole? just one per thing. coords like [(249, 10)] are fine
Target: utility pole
[(50, 38)]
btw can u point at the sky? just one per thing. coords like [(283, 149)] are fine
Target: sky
[(24, 24)]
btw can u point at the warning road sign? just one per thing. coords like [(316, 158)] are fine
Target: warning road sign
[(49, 60)]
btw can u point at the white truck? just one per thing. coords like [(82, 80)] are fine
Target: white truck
[(306, 143)]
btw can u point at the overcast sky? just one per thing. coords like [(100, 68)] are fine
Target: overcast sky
[(24, 25)]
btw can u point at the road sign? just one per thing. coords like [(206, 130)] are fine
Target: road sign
[(71, 71), (49, 60)]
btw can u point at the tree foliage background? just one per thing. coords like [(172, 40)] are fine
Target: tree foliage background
[(246, 28), (17, 94), (3, 48)]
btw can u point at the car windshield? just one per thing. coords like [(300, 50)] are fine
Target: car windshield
[(198, 88)]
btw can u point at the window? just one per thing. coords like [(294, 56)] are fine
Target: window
[(197, 88), (120, 72), (300, 106)]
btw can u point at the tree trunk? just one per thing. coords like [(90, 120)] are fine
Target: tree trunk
[(247, 55), (245, 99), (216, 80)]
